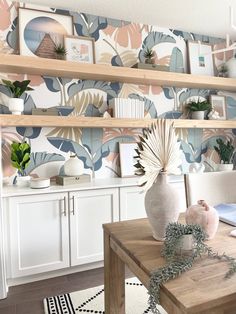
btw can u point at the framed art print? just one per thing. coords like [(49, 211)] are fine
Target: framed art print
[(40, 31), (200, 58), (127, 160), (218, 103), (79, 49)]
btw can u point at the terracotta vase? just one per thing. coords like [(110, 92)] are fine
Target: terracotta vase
[(162, 206)]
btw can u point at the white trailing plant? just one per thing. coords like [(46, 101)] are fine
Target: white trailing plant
[(158, 151), (177, 264)]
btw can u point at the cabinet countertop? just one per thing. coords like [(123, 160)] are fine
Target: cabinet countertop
[(14, 190)]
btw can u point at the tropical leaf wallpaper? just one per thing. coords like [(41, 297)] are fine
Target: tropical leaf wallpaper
[(117, 43)]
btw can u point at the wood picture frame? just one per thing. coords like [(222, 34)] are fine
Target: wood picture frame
[(218, 103), (40, 31), (127, 161), (80, 49), (200, 59)]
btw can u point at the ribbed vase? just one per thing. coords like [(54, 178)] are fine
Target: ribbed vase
[(162, 206)]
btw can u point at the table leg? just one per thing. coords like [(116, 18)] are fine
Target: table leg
[(114, 280)]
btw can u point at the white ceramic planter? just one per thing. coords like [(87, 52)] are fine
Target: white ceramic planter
[(186, 242), (225, 167), (73, 166), (198, 115), (16, 105), (23, 181)]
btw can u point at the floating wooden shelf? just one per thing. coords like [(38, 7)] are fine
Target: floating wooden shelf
[(59, 68), (91, 122)]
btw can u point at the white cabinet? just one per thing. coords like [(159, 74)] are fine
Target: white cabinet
[(89, 210), (38, 233), (132, 203)]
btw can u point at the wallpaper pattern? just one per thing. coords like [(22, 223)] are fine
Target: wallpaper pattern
[(117, 43)]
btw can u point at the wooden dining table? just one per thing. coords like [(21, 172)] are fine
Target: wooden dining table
[(203, 289)]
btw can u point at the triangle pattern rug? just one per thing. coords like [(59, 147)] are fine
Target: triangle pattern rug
[(92, 300)]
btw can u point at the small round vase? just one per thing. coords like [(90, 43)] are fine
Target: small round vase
[(162, 206), (231, 66), (23, 181), (73, 166)]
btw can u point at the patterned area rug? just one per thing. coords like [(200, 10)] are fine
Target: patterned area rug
[(92, 300)]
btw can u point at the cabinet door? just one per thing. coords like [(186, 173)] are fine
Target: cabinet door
[(38, 233), (89, 210), (132, 203)]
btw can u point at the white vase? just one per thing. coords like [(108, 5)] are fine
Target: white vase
[(225, 167), (73, 166), (231, 66), (16, 105), (196, 167), (162, 206), (23, 181), (198, 115)]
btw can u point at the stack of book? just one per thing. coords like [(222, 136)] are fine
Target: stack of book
[(127, 108)]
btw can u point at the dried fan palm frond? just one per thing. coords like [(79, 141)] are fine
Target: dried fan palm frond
[(158, 151)]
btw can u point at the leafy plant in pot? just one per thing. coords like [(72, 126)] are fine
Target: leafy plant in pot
[(20, 158), (225, 151), (16, 88), (60, 51), (198, 108), (149, 56)]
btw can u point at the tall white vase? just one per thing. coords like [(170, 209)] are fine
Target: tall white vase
[(162, 206)]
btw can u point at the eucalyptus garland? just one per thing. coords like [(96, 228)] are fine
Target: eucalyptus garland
[(179, 263)]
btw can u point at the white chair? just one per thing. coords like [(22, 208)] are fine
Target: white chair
[(213, 187)]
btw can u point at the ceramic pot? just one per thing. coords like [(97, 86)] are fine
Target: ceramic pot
[(16, 105), (162, 206), (225, 167), (23, 181), (186, 242), (73, 166), (231, 66), (198, 115), (204, 215)]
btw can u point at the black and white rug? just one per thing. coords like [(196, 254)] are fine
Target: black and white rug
[(92, 300)]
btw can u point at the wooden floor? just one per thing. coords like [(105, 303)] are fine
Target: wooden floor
[(28, 298)]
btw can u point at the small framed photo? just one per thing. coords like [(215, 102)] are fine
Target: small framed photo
[(200, 58), (79, 49), (40, 31), (127, 160), (218, 104)]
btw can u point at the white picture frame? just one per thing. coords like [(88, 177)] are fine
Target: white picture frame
[(218, 103), (127, 160), (34, 25), (200, 58), (80, 49)]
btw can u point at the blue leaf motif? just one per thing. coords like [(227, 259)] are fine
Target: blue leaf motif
[(184, 35), (149, 105), (168, 92), (176, 61), (29, 132), (116, 61), (12, 36), (52, 83), (89, 84)]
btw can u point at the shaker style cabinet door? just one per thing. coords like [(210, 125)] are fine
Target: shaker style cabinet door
[(88, 211), (132, 203), (38, 234)]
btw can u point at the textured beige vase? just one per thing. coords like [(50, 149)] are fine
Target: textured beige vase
[(162, 206)]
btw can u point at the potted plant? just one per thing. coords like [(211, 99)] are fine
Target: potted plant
[(16, 88), (149, 56), (60, 51), (198, 108), (20, 158), (223, 70), (225, 150)]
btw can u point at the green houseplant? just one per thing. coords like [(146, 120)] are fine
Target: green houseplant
[(225, 151), (16, 88), (149, 56), (60, 51), (20, 158), (179, 263), (198, 108)]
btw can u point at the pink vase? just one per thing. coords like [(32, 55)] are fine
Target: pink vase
[(203, 215)]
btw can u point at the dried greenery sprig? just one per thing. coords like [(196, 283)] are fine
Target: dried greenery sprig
[(178, 264), (158, 151)]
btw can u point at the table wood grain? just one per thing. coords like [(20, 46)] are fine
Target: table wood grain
[(202, 290)]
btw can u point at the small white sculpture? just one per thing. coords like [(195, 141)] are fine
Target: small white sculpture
[(214, 115)]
